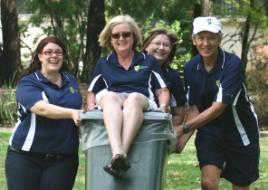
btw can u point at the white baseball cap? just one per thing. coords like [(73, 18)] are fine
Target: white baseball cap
[(211, 24)]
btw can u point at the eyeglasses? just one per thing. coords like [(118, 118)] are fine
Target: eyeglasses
[(123, 34), (50, 52), (159, 44)]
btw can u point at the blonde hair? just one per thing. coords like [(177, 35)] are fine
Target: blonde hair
[(105, 35)]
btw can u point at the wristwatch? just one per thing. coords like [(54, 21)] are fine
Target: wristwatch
[(185, 128)]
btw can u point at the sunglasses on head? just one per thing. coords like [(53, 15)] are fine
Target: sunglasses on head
[(123, 34)]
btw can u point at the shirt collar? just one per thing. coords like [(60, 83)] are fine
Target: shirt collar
[(40, 77), (137, 58)]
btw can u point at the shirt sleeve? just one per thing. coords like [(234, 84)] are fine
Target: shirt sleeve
[(231, 82), (97, 81), (28, 93), (157, 77), (177, 90)]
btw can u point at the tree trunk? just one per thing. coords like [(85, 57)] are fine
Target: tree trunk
[(245, 45), (1, 66), (197, 12), (246, 39), (10, 64), (205, 7), (95, 23)]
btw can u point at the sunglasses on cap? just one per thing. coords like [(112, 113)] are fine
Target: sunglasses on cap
[(123, 34)]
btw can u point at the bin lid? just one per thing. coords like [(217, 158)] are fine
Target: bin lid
[(157, 126)]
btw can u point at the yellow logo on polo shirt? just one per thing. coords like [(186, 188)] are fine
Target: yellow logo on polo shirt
[(137, 68), (218, 83), (72, 90)]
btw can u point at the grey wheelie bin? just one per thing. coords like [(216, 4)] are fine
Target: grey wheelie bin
[(147, 155)]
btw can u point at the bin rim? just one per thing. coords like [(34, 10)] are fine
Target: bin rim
[(148, 115)]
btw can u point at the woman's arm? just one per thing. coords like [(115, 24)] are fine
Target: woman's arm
[(163, 97), (52, 111), (178, 114)]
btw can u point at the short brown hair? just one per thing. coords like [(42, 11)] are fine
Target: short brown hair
[(173, 38)]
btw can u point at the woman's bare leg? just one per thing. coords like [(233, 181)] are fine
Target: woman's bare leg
[(111, 104), (132, 117)]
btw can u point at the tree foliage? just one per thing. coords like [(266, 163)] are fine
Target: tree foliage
[(251, 29), (65, 19), (69, 20), (78, 23)]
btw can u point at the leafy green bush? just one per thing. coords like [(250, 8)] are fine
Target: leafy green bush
[(7, 105)]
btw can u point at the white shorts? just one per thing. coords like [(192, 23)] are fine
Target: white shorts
[(124, 95)]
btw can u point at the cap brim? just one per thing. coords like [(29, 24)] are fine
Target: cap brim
[(207, 30)]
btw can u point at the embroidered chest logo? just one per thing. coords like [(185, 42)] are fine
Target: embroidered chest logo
[(218, 83), (72, 90), (138, 67)]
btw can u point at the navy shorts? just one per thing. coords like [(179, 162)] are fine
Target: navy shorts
[(239, 164)]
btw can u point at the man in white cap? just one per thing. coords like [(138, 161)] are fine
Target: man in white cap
[(227, 139)]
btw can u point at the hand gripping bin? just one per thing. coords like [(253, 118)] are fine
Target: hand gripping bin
[(147, 155)]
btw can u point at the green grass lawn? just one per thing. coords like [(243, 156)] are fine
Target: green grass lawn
[(182, 171)]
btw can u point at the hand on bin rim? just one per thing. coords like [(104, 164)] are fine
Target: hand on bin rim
[(92, 107), (164, 108)]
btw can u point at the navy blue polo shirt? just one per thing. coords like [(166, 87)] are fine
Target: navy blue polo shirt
[(40, 134), (143, 75), (175, 86), (224, 83)]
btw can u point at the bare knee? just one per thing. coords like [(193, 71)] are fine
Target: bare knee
[(135, 97), (110, 98), (209, 184), (136, 100)]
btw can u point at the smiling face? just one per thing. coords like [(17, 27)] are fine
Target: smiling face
[(207, 44), (51, 58), (122, 38), (160, 48)]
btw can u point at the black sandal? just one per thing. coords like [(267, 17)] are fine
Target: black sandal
[(119, 162), (110, 170)]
